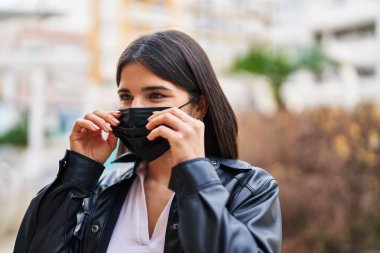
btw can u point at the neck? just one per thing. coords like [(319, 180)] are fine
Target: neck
[(160, 169)]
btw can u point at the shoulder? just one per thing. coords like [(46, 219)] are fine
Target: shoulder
[(250, 188), (255, 179)]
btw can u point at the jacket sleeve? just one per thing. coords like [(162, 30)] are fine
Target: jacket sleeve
[(51, 218), (206, 225)]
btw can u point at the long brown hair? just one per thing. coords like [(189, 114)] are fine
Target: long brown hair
[(176, 57)]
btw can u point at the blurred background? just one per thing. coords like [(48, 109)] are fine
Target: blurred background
[(302, 76)]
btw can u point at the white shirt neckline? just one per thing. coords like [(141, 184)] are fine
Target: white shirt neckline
[(131, 232), (161, 223)]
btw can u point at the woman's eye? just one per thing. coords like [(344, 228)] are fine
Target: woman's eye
[(125, 97), (156, 95)]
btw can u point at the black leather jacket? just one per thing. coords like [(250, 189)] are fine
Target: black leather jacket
[(220, 205)]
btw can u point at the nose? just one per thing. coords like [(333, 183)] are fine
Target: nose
[(137, 102)]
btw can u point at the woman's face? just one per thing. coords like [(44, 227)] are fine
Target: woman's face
[(139, 87)]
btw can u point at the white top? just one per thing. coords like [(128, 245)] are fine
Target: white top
[(131, 233)]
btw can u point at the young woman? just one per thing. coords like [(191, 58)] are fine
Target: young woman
[(179, 188)]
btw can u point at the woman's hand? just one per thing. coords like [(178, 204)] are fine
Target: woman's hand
[(184, 133), (86, 136)]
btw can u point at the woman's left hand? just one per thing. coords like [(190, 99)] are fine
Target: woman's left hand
[(184, 133)]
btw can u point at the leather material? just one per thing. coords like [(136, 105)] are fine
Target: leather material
[(220, 205)]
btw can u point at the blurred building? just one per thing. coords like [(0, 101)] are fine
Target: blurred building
[(348, 31), (41, 68), (58, 59), (351, 34), (235, 25), (224, 28), (216, 25)]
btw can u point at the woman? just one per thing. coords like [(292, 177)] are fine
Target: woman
[(180, 188)]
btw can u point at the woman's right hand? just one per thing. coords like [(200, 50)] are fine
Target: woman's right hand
[(86, 136)]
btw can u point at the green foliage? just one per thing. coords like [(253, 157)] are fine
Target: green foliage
[(18, 135), (274, 64), (314, 60), (277, 65)]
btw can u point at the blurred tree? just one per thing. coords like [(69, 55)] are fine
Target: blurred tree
[(314, 60), (18, 135), (277, 65)]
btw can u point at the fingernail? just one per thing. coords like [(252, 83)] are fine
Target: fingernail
[(117, 111), (108, 126), (96, 126), (115, 121), (155, 112)]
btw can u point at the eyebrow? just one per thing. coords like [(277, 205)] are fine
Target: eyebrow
[(147, 88)]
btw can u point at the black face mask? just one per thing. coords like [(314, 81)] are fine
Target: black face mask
[(132, 132)]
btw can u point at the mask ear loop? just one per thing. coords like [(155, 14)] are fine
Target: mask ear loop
[(201, 119), (184, 104)]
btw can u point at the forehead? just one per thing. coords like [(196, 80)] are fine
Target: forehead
[(135, 76)]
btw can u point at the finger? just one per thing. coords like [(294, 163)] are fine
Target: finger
[(85, 124), (176, 112), (108, 117), (162, 131), (112, 140), (116, 114), (167, 119), (100, 122)]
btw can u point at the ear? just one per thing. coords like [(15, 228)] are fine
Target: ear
[(201, 108)]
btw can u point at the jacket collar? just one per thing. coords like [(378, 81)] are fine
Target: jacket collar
[(229, 163), (126, 158), (217, 162)]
